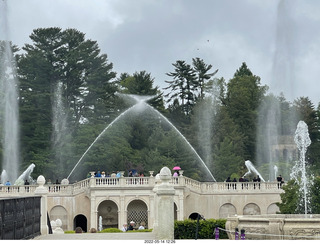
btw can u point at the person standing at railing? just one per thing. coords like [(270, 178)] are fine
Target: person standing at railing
[(26, 183)]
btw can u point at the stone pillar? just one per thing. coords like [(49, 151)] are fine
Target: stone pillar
[(93, 213), (164, 229), (42, 191)]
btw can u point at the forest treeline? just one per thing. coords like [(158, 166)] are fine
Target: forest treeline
[(69, 93)]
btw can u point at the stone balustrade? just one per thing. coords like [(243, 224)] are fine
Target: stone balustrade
[(146, 182)]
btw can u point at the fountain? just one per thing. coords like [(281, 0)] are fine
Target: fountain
[(141, 104), (252, 169), (299, 174), (26, 175), (9, 102), (284, 226)]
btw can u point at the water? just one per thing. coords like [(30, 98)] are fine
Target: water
[(185, 139), (9, 102), (60, 128), (299, 173), (252, 169), (98, 137), (140, 105), (271, 128), (26, 175)]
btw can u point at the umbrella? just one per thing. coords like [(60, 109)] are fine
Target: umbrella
[(176, 168)]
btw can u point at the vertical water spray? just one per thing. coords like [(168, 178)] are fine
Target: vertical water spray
[(60, 127), (271, 129), (9, 102), (299, 173)]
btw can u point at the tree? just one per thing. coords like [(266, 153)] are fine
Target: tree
[(243, 97), (290, 198), (183, 85), (201, 70), (86, 77)]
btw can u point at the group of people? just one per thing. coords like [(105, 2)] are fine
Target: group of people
[(132, 226), (114, 174)]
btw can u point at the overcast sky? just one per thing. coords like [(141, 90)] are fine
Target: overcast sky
[(278, 39)]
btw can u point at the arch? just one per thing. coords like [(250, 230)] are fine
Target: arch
[(227, 210), (273, 209), (175, 211), (251, 209), (138, 212), (80, 221), (59, 212), (194, 216), (108, 210)]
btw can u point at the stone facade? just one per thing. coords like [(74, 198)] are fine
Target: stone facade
[(276, 227), (120, 200)]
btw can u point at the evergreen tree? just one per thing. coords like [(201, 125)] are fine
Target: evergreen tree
[(243, 97)]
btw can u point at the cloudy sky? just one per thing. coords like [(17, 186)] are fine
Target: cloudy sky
[(278, 39)]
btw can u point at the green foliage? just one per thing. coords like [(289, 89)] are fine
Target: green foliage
[(187, 229), (111, 230), (290, 198)]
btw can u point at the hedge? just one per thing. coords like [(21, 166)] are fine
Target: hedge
[(187, 229)]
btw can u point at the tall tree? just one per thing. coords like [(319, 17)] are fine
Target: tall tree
[(242, 100), (183, 85), (202, 75), (66, 57)]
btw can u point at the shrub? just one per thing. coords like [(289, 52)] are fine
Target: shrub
[(187, 229), (110, 230)]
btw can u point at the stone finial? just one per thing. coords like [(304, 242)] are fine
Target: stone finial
[(41, 180), (165, 174), (40, 190), (65, 182)]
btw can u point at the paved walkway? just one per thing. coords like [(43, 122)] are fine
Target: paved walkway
[(99, 236)]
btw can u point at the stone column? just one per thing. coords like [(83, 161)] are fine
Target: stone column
[(42, 191), (164, 229)]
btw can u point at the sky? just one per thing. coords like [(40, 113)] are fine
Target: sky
[(278, 39)]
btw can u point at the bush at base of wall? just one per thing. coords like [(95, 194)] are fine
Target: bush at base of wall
[(187, 229)]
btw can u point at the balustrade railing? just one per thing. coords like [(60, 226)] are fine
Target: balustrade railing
[(148, 182)]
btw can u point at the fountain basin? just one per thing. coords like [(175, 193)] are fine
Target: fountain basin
[(276, 226)]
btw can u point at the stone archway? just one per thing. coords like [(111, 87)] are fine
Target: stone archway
[(108, 210), (59, 212), (227, 210), (194, 216), (273, 209), (175, 211), (251, 209), (138, 212), (80, 221)]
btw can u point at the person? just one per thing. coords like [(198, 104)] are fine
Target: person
[(103, 175), (131, 226), (98, 174), (8, 183), (78, 230), (175, 174), (234, 185), (130, 174), (26, 183), (124, 227), (141, 227), (258, 180), (93, 230), (280, 181), (228, 180), (113, 175)]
